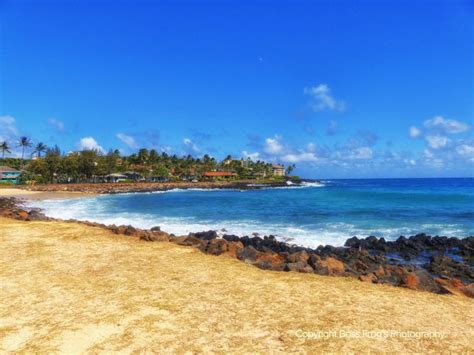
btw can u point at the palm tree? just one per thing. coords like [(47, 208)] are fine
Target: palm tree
[(24, 142), (4, 148), (290, 168), (40, 148)]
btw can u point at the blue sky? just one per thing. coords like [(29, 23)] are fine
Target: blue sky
[(339, 88)]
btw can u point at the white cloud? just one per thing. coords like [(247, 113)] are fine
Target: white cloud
[(89, 143), (311, 147), (436, 163), (322, 99), (57, 124), (253, 156), (466, 150), (437, 142), (361, 153), (190, 145), (8, 130), (414, 132), (128, 140), (446, 125), (273, 145), (428, 154), (299, 157)]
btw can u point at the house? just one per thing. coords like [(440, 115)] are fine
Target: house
[(9, 175), (132, 175), (278, 169), (184, 175), (116, 177), (219, 174)]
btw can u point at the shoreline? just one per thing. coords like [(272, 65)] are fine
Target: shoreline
[(40, 195), (447, 265), (65, 191), (73, 288), (137, 187)]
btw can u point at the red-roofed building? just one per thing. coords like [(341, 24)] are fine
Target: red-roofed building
[(219, 174)]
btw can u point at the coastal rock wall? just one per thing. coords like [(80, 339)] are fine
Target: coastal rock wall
[(420, 262), (129, 187)]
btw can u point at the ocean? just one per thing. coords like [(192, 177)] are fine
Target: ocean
[(315, 213)]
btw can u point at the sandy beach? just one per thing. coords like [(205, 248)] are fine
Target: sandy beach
[(39, 195), (72, 288)]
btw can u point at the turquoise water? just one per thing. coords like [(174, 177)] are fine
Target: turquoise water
[(313, 214)]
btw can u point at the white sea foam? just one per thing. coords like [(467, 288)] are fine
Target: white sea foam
[(84, 210), (335, 233), (302, 185), (313, 184)]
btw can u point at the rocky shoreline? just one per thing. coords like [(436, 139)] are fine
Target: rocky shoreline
[(431, 263), (134, 187)]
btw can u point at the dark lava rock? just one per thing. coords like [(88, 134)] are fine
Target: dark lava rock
[(299, 256), (192, 241), (444, 266), (298, 266), (129, 230), (215, 247), (209, 235), (248, 254), (231, 238), (36, 215)]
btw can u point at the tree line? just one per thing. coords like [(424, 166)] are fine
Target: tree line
[(50, 165)]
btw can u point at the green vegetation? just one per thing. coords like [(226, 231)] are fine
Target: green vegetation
[(50, 165)]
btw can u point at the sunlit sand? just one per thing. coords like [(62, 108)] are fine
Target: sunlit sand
[(71, 288)]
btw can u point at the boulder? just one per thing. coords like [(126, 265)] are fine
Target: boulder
[(380, 271), (352, 242), (209, 235), (159, 236), (444, 266), (455, 287), (248, 254), (192, 241), (270, 257), (35, 215), (368, 278), (150, 236), (328, 266), (468, 290), (269, 266), (302, 256), (233, 248), (178, 239), (298, 266), (409, 277), (411, 281), (393, 275), (360, 266), (214, 247), (23, 215), (130, 231), (231, 238)]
